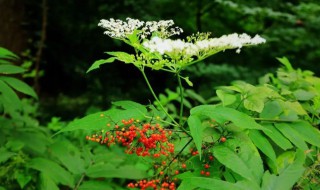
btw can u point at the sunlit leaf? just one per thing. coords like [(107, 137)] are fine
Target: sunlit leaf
[(11, 69), (97, 63), (196, 131)]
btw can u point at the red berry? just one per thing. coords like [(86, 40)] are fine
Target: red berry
[(207, 174), (223, 139), (206, 166), (183, 166), (202, 172)]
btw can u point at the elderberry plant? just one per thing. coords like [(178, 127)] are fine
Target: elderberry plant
[(256, 137), (154, 49)]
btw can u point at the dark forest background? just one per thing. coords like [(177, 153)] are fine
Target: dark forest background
[(59, 40)]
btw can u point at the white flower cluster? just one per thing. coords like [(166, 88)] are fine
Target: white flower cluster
[(232, 41), (120, 29), (167, 46)]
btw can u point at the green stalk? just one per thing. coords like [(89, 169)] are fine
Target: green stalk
[(155, 97), (181, 99)]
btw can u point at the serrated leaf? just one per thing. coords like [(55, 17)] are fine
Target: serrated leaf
[(240, 156), (226, 98), (287, 178), (98, 121), (262, 144), (69, 156), (309, 133), (122, 56), (54, 171), (47, 183), (195, 126), (292, 135), (11, 69), (222, 114), (277, 137), (110, 171), (95, 185), (19, 86), (97, 63)]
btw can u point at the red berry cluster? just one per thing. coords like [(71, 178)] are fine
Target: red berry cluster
[(143, 139), (153, 184), (207, 166)]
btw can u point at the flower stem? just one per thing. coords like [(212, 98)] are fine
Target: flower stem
[(181, 99), (155, 97)]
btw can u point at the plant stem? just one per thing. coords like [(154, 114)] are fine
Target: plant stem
[(181, 99), (184, 147), (79, 182), (273, 120), (155, 97)]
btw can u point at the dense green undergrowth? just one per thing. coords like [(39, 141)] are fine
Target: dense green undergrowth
[(263, 136)]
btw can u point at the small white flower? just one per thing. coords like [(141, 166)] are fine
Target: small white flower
[(120, 29), (232, 41)]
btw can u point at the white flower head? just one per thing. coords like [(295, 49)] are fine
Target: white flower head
[(120, 29), (202, 47)]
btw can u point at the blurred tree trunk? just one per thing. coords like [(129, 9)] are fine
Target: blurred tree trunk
[(12, 33)]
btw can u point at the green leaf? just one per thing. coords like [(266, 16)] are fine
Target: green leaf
[(195, 126), (47, 183), (122, 56), (110, 171), (262, 143), (22, 179), (208, 183), (98, 121), (130, 105), (95, 185), (69, 156), (54, 171), (11, 69), (287, 130), (97, 63), (256, 96), (9, 98), (192, 94), (286, 63), (272, 110), (19, 86), (309, 133), (188, 81), (287, 178), (296, 107), (7, 54), (5, 155), (226, 98), (222, 114), (303, 95), (240, 156), (277, 137)]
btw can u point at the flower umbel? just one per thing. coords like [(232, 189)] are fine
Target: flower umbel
[(155, 50), (120, 29)]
